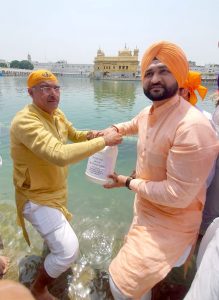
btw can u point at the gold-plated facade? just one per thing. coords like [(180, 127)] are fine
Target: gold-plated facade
[(125, 65)]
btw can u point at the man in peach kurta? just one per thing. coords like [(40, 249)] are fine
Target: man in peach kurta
[(175, 151)]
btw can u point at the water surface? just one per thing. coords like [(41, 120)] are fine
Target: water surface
[(101, 217)]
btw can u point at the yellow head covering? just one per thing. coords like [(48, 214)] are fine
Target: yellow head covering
[(192, 83), (40, 75), (169, 54)]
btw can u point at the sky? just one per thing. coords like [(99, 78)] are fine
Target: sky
[(52, 30)]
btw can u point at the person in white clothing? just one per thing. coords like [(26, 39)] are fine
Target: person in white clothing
[(205, 285)]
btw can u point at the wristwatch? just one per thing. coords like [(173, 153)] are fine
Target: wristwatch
[(127, 182)]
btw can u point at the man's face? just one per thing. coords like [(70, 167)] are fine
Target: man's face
[(46, 95), (159, 83)]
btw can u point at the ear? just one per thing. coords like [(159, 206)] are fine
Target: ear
[(30, 92), (183, 92)]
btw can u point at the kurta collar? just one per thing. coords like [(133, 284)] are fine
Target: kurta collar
[(161, 109), (43, 113)]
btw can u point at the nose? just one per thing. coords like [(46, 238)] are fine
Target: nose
[(52, 91), (155, 78)]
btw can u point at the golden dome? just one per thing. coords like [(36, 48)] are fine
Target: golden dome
[(100, 52), (125, 52)]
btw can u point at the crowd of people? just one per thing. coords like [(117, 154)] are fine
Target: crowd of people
[(176, 168)]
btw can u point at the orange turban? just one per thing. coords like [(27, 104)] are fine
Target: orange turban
[(169, 54), (38, 76), (192, 83)]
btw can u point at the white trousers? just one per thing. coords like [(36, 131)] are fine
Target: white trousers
[(57, 233), (118, 295)]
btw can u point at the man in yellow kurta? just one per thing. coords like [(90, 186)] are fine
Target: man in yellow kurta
[(40, 153), (175, 151)]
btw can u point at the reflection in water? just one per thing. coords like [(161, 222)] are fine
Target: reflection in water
[(15, 84), (119, 91)]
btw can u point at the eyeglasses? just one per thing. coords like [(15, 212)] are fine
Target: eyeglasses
[(49, 89)]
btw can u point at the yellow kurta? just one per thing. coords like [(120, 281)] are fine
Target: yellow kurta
[(175, 153), (41, 155)]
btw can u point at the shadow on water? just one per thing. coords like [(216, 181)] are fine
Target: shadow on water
[(87, 279)]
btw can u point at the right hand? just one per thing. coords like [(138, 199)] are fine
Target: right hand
[(112, 138), (133, 175)]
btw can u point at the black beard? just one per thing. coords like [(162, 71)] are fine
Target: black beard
[(167, 93)]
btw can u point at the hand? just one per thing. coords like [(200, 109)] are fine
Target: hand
[(108, 130), (93, 134), (117, 181), (112, 138), (133, 175)]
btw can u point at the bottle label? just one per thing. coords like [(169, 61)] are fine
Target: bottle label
[(101, 165), (96, 166)]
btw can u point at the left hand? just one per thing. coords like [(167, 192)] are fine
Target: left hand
[(117, 181)]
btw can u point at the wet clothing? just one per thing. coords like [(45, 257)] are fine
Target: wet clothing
[(41, 154), (176, 150)]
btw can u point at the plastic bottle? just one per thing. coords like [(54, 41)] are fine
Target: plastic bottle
[(101, 165)]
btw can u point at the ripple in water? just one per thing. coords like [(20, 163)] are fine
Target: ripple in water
[(96, 247), (87, 279)]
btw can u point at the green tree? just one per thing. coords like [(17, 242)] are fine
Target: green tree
[(3, 65), (15, 64), (25, 64)]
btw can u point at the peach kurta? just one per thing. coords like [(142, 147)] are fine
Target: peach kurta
[(175, 152)]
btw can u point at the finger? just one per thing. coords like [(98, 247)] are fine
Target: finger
[(113, 177), (100, 134), (110, 185), (105, 186)]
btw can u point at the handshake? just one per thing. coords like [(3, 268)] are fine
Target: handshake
[(111, 135)]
